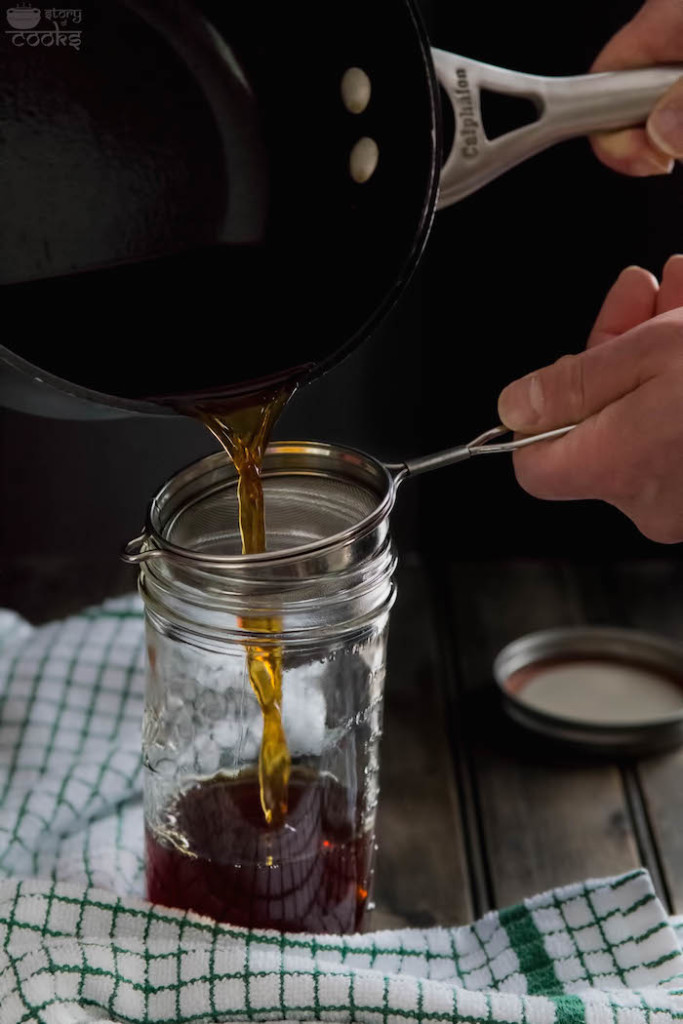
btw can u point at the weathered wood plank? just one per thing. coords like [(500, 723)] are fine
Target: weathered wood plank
[(651, 593), (422, 871), (661, 782), (546, 817)]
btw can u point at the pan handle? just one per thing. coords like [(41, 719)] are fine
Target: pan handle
[(566, 107)]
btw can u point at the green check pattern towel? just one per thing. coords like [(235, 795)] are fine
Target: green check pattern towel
[(598, 953), (71, 703), (77, 945)]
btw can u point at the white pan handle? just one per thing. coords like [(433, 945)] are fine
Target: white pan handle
[(566, 107)]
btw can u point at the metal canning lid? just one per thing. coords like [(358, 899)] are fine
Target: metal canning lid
[(599, 688)]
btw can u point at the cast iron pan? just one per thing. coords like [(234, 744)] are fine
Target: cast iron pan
[(178, 210), (181, 216)]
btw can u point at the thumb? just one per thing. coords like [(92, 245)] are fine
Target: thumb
[(577, 386), (665, 123)]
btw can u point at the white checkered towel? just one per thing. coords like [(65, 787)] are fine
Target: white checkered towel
[(73, 951)]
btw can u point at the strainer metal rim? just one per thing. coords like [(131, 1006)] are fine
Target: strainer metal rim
[(136, 551)]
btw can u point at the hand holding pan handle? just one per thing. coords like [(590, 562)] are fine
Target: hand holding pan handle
[(566, 107)]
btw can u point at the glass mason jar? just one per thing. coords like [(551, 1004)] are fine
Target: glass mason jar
[(316, 606)]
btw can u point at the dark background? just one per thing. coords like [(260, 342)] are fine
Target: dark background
[(512, 279), (515, 275)]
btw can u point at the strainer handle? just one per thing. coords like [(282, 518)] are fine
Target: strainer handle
[(481, 445)]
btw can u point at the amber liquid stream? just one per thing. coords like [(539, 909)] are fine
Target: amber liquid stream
[(244, 434)]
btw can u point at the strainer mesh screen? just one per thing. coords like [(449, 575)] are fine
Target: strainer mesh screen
[(301, 509)]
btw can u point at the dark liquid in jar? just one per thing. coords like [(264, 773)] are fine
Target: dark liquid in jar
[(218, 857)]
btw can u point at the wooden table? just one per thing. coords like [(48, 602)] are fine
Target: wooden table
[(473, 813)]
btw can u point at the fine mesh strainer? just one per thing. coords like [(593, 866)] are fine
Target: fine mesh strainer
[(321, 500)]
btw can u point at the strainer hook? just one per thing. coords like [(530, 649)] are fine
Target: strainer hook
[(135, 551)]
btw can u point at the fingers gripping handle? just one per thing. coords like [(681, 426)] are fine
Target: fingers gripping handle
[(566, 107)]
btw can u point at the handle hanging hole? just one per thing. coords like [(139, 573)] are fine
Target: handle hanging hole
[(502, 112)]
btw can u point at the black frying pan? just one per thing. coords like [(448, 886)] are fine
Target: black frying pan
[(195, 200)]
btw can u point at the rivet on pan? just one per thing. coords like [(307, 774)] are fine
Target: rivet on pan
[(356, 89), (363, 160)]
